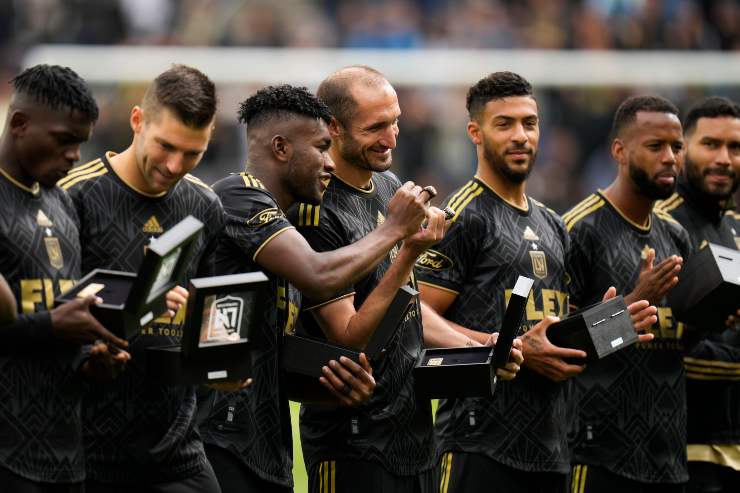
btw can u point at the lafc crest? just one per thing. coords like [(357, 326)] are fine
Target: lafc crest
[(224, 322), (539, 263), (53, 247)]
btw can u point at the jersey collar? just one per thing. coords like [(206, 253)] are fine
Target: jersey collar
[(34, 189)]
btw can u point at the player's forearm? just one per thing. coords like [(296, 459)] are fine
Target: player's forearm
[(362, 325), (333, 270), (440, 332), (8, 307)]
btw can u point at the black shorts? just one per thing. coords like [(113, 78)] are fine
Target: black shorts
[(586, 478), (462, 472), (10, 481), (203, 482), (348, 476), (235, 477), (705, 477)]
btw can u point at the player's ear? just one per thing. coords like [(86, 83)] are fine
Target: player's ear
[(282, 149), (18, 123), (618, 150), (136, 119), (474, 132), (334, 127)]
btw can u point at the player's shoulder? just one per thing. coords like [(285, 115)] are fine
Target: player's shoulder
[(670, 204), (550, 214), (197, 187), (466, 203), (733, 216), (584, 212), (241, 189), (83, 176)]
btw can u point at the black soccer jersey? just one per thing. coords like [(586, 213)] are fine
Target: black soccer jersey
[(136, 430), (254, 424), (712, 364), (632, 405), (393, 429), (40, 396), (489, 244)]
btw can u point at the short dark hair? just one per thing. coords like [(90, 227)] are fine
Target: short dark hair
[(627, 111), (336, 90), (185, 91), (57, 88), (497, 85), (711, 107), (281, 102)]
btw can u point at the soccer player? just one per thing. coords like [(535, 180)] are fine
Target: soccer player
[(248, 435), (516, 440), (387, 444), (51, 113), (139, 434), (703, 205), (631, 430)]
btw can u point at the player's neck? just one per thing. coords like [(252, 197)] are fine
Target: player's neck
[(273, 184), (124, 165), (513, 193), (11, 167), (353, 175), (632, 204)]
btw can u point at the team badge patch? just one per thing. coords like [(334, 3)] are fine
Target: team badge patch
[(434, 260), (265, 217), (225, 319), (54, 251), (539, 263)]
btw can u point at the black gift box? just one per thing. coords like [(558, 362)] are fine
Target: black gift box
[(132, 301), (471, 371), (305, 355), (221, 315), (708, 288), (600, 330)]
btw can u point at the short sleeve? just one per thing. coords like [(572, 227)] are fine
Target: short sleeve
[(579, 263)]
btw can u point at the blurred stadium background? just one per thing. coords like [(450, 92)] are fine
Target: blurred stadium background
[(583, 56)]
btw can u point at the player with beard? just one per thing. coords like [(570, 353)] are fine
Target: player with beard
[(631, 430), (703, 205), (387, 444), (51, 113), (248, 435), (516, 440)]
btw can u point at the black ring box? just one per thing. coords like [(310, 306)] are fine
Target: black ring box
[(471, 371), (221, 315), (133, 301), (708, 288), (599, 329), (303, 356)]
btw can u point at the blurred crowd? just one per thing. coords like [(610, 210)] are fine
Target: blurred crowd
[(432, 146)]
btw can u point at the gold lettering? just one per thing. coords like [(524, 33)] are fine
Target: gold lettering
[(291, 319), (49, 292), (65, 285), (548, 302), (549, 299), (562, 302), (31, 294), (281, 300), (532, 312)]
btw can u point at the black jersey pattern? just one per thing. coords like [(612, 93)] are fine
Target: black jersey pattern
[(254, 423), (712, 361), (39, 392), (490, 244), (632, 405), (136, 430), (393, 429)]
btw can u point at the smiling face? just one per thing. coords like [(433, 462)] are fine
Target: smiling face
[(47, 142), (310, 166), (166, 149), (651, 149), (713, 156), (369, 137), (508, 132)]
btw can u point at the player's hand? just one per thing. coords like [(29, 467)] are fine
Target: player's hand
[(351, 384), (72, 322), (407, 209), (516, 358), (231, 385), (106, 362), (541, 356), (427, 236), (642, 313), (177, 297), (654, 282)]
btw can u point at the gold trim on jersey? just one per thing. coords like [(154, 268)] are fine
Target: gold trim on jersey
[(93, 165), (363, 190), (703, 369), (727, 455), (645, 228), (329, 302), (445, 472), (582, 210), (251, 181), (580, 206), (523, 209), (662, 214), (94, 173), (733, 214), (308, 214), (670, 203), (578, 479), (34, 189), (327, 476), (196, 180), (426, 283), (268, 240), (463, 197)]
